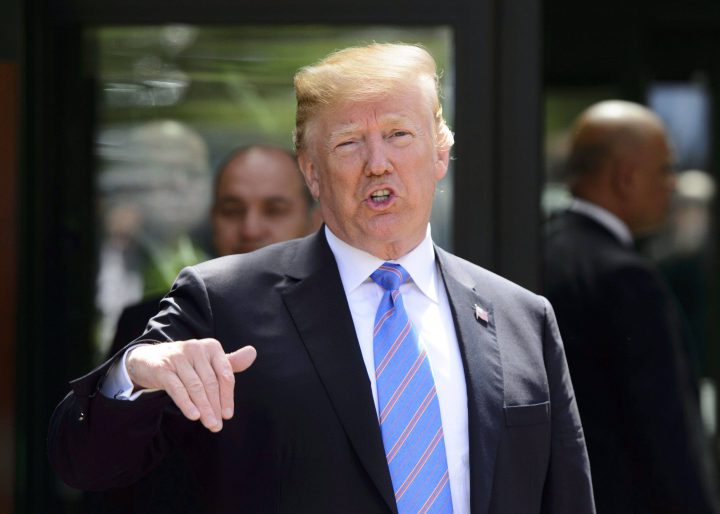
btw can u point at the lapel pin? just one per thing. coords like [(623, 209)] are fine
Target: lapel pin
[(480, 313)]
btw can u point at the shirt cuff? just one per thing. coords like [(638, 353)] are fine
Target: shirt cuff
[(117, 383)]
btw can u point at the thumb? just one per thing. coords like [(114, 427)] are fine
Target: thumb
[(241, 359)]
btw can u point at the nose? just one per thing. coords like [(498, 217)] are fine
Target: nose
[(378, 162), (252, 227)]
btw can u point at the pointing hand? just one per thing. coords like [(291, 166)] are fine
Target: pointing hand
[(197, 374)]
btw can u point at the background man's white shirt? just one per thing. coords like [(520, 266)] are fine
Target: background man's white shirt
[(606, 218)]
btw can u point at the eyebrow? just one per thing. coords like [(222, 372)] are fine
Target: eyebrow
[(266, 199), (350, 128), (277, 199), (344, 130)]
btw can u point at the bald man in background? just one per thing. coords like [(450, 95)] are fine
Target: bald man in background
[(260, 199), (619, 323)]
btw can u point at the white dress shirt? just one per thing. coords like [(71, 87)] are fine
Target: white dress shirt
[(606, 218), (427, 306)]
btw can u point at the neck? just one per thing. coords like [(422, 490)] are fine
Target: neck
[(385, 250), (389, 251), (607, 202)]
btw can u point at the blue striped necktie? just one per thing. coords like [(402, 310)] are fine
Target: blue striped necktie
[(409, 410)]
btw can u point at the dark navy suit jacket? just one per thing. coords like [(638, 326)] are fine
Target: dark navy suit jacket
[(622, 335), (305, 436)]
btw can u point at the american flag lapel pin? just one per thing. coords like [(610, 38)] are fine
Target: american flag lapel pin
[(480, 313)]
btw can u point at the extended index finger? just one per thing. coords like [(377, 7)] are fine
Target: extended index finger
[(242, 359)]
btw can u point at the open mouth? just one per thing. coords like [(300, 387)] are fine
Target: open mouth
[(380, 196)]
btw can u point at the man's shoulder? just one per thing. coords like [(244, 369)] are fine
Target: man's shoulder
[(566, 225), (578, 251), (572, 238), (512, 305)]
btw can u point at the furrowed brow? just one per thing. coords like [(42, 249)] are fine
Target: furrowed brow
[(344, 131)]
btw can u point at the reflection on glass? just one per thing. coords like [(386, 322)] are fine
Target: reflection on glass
[(173, 102), (685, 109)]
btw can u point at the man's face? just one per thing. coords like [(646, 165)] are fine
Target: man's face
[(259, 201), (374, 166), (654, 183)]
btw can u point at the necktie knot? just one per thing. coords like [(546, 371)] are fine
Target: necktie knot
[(390, 276)]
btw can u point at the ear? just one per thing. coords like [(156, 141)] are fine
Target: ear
[(442, 158), (310, 173)]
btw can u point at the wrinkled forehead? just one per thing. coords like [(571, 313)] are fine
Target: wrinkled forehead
[(352, 117)]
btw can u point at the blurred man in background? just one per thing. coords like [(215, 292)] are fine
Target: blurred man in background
[(619, 323), (259, 198)]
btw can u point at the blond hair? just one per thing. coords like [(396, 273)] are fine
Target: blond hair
[(364, 73)]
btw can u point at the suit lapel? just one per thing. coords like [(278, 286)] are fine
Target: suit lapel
[(483, 375), (317, 303)]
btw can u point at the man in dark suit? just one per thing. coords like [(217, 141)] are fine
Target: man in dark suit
[(385, 375), (619, 323)]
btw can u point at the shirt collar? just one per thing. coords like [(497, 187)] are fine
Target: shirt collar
[(356, 266), (606, 218)]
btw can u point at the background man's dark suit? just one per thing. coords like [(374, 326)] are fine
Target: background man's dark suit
[(623, 342), (132, 322), (305, 436)]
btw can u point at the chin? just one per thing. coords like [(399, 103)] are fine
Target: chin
[(397, 234), (384, 233)]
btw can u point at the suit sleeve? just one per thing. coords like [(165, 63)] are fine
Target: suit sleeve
[(568, 486), (96, 442)]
